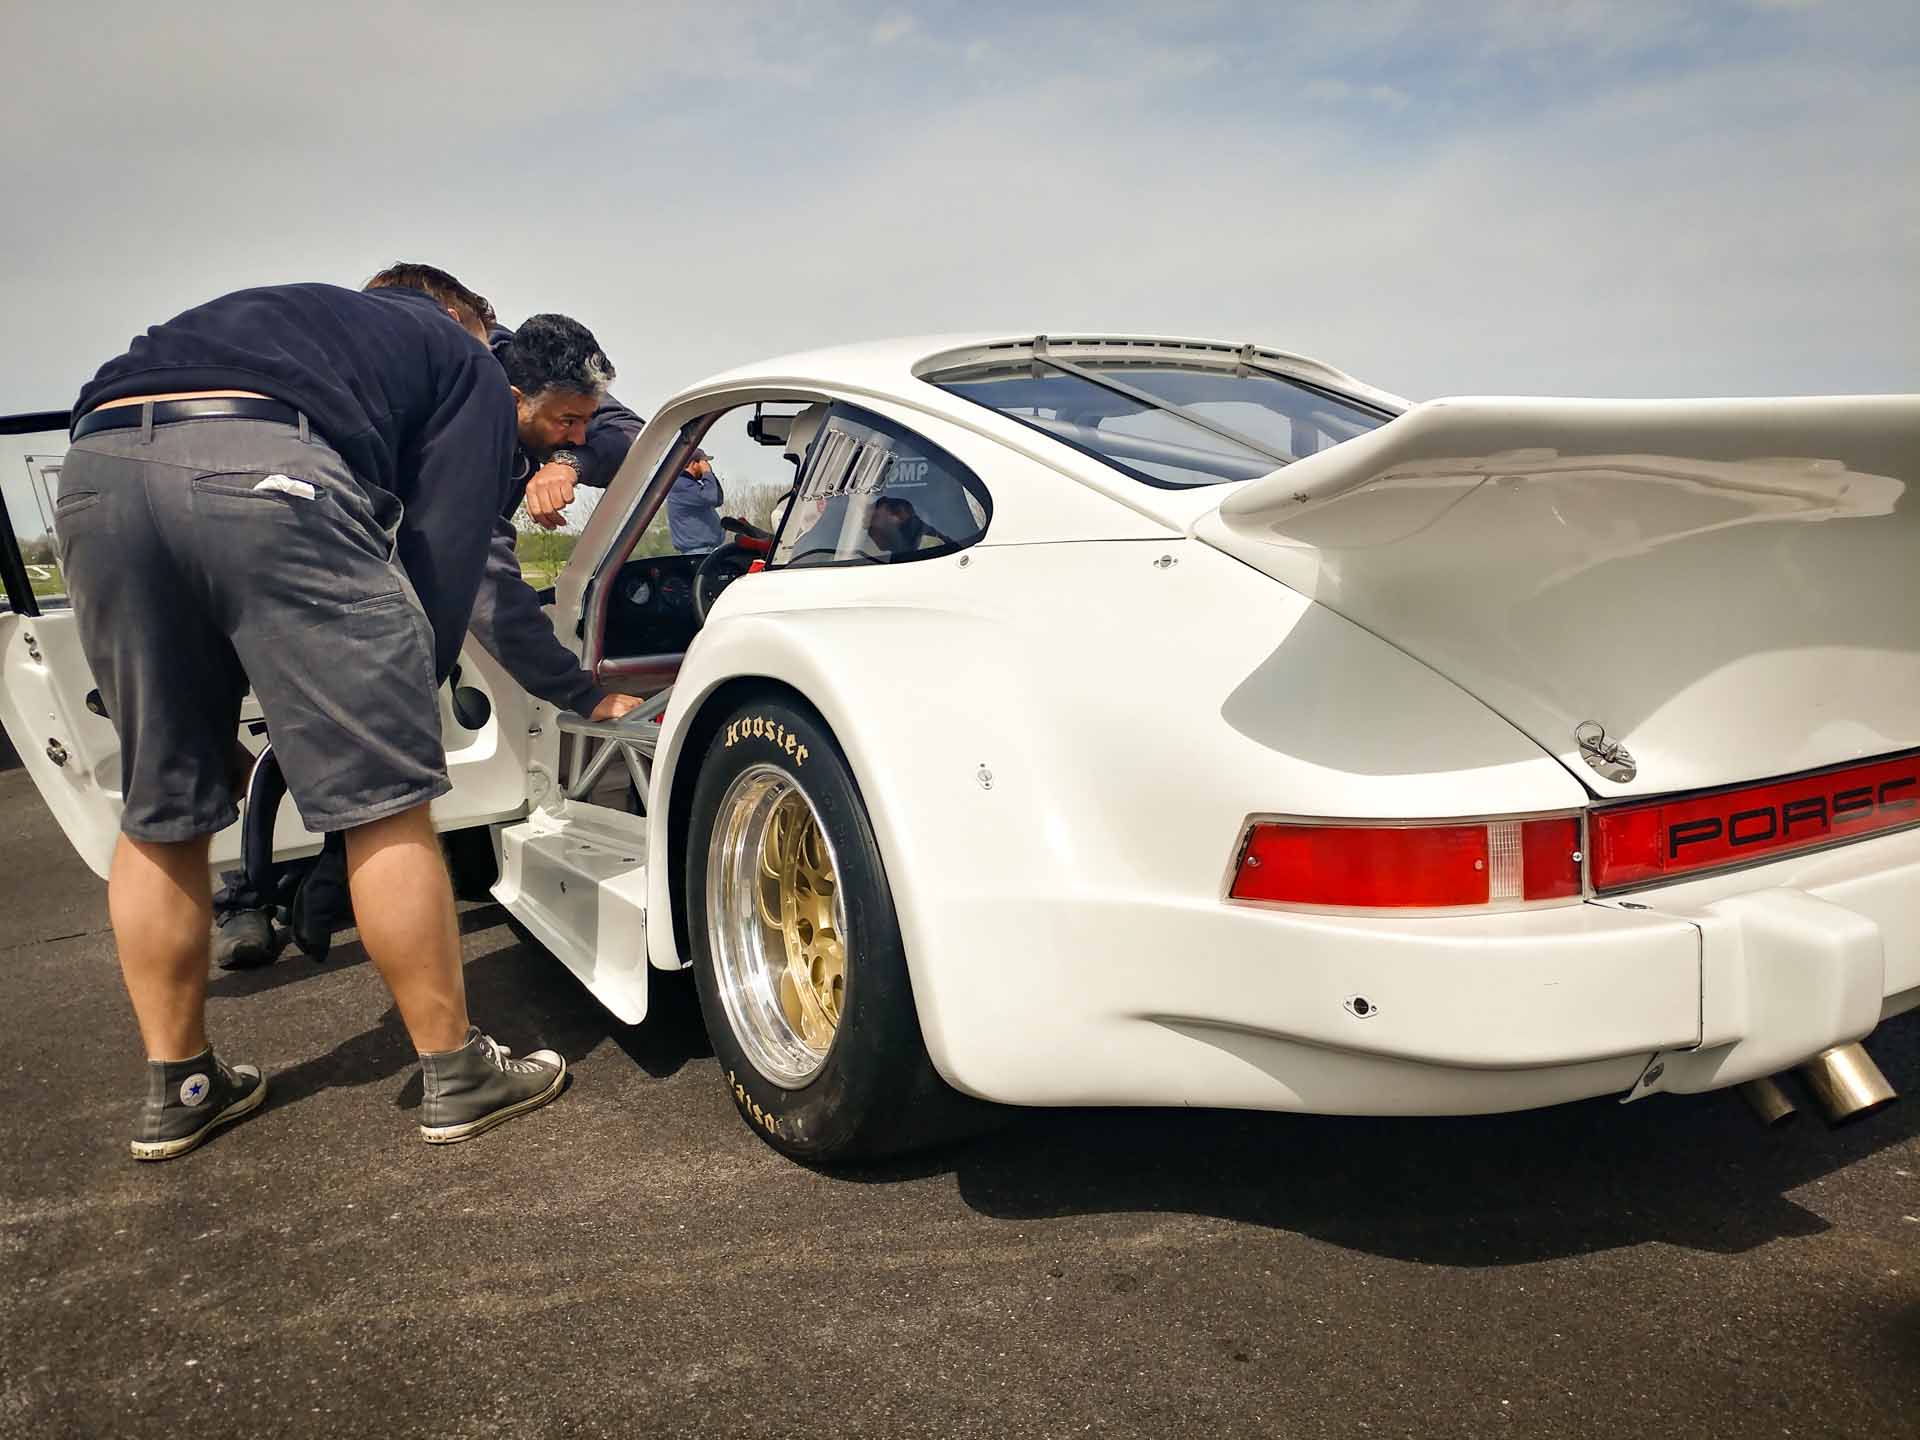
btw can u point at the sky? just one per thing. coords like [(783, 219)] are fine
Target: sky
[(1442, 197)]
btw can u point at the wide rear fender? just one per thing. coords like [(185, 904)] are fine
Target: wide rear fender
[(1080, 725)]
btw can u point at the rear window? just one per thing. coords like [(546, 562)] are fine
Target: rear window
[(1170, 425)]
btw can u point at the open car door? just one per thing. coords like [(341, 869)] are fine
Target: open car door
[(52, 712)]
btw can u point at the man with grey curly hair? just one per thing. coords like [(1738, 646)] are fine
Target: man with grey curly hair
[(565, 420)]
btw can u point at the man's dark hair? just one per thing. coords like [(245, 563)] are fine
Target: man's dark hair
[(441, 286), (555, 352)]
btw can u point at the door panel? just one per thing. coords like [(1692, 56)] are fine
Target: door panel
[(71, 750)]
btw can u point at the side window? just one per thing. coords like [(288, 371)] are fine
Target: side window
[(872, 492)]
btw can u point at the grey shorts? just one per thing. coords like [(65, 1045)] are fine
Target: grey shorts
[(207, 555)]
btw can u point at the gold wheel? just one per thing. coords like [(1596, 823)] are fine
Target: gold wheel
[(778, 925)]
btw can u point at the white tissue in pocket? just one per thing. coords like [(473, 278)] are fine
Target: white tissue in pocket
[(287, 485)]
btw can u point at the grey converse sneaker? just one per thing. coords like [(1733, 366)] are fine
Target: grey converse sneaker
[(477, 1086), (244, 940), (187, 1100)]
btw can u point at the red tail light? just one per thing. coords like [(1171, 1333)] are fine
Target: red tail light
[(1441, 866), (1645, 842)]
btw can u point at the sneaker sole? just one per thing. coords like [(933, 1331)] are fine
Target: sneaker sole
[(247, 957), (167, 1149), (454, 1134)]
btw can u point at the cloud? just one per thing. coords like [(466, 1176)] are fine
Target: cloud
[(1339, 91), (892, 28), (1603, 198)]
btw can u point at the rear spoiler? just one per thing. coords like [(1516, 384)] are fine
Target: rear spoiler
[(1826, 455)]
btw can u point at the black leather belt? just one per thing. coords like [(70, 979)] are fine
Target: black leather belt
[(165, 412)]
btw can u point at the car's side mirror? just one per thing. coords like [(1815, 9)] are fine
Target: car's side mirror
[(769, 429)]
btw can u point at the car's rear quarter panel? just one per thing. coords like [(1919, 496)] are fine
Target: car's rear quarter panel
[(1059, 745)]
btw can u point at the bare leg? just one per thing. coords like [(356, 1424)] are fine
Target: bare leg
[(403, 906), (160, 899)]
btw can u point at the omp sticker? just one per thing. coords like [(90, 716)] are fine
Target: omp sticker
[(758, 727), (194, 1089), (287, 485)]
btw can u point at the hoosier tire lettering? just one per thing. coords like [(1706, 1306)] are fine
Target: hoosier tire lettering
[(752, 1108), (759, 727)]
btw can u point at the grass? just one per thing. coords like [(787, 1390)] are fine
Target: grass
[(544, 554)]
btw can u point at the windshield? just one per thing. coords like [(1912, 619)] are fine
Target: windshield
[(1168, 424)]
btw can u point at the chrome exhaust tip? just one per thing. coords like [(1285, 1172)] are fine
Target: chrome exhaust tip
[(1769, 1102), (1847, 1084)]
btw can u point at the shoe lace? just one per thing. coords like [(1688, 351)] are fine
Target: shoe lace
[(501, 1058)]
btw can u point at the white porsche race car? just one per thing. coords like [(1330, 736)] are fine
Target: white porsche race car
[(1134, 721)]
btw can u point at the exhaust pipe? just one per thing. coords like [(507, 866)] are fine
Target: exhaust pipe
[(1847, 1084), (1771, 1107)]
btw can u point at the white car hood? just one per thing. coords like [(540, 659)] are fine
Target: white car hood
[(1730, 588)]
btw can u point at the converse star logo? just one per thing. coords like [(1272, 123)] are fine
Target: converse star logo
[(194, 1089)]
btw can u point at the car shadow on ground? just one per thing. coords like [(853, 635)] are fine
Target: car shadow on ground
[(1691, 1171)]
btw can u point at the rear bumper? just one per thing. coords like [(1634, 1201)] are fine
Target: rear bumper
[(1795, 957), (1129, 1001)]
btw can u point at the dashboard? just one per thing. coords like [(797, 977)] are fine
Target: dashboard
[(651, 609)]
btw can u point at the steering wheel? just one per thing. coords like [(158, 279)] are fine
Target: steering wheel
[(722, 566)]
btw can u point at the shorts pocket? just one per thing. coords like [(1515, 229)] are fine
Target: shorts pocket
[(247, 487), (391, 622)]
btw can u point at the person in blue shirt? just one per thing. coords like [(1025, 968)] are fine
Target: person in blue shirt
[(693, 507), (292, 488)]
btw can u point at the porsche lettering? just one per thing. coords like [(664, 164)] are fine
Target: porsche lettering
[(1805, 817), (1646, 841)]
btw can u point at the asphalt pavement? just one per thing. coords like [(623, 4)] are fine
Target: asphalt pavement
[(631, 1261)]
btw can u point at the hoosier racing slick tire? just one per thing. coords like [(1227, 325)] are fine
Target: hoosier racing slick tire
[(797, 953)]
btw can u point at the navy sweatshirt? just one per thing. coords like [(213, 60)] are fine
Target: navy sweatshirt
[(416, 407), (507, 618)]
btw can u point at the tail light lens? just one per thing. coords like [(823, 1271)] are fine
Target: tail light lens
[(1446, 865)]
